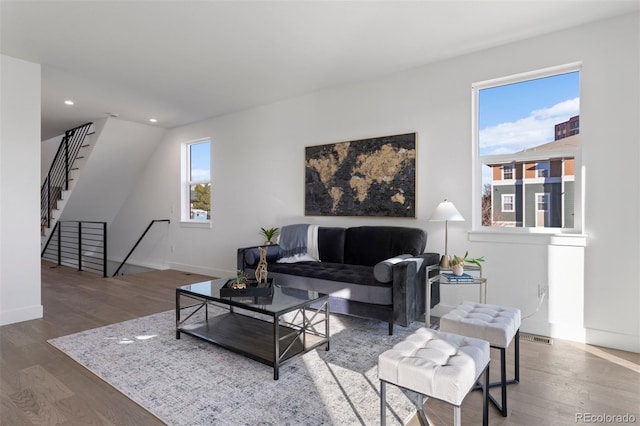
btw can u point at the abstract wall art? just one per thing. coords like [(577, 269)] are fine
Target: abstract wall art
[(368, 177)]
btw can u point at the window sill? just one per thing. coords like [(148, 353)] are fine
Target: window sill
[(529, 237), (195, 223)]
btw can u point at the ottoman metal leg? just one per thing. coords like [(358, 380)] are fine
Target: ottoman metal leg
[(421, 399), (485, 397), (383, 403), (502, 406)]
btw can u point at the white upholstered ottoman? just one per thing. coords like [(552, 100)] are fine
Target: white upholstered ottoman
[(497, 325), (439, 365)]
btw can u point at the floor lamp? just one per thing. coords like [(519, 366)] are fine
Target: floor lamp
[(446, 212)]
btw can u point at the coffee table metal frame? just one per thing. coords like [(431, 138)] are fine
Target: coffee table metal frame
[(272, 341)]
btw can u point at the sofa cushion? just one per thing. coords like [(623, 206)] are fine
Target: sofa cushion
[(331, 244), (368, 245), (352, 282), (328, 271)]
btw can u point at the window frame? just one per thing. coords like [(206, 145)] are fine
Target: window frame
[(186, 182), (511, 169), (543, 168), (491, 233), (513, 203)]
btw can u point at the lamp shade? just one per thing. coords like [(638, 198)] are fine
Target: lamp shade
[(446, 211)]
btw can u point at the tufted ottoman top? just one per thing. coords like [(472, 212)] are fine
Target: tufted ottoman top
[(440, 365), (492, 323)]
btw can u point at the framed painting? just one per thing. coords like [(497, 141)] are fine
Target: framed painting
[(368, 177)]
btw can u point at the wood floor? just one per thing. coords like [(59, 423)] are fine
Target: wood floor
[(41, 386)]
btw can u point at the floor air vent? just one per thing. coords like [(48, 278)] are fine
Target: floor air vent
[(536, 339)]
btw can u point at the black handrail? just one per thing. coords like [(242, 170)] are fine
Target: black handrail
[(138, 242), (79, 244), (57, 179)]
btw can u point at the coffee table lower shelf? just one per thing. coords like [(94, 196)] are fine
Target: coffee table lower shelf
[(255, 338)]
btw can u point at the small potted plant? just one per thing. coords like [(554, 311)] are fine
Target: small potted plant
[(240, 281), (269, 234), (457, 264)]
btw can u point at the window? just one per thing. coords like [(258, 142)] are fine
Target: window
[(524, 149), (542, 169), (508, 203), (542, 202), (507, 172), (196, 181), (542, 210)]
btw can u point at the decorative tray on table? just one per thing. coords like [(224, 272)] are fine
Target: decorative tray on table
[(253, 289)]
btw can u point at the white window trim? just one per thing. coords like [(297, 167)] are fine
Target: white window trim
[(547, 201), (185, 192), (574, 236), (512, 168), (513, 202)]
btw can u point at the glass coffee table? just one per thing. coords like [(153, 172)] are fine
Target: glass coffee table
[(256, 327)]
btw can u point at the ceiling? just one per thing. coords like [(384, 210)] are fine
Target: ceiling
[(185, 61)]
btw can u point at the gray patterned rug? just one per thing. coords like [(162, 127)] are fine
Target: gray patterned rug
[(192, 382)]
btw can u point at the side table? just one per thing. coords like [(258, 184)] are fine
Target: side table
[(479, 280)]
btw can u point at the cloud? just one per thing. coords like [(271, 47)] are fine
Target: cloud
[(199, 174), (535, 129)]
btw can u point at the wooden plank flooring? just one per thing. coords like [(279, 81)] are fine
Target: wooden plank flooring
[(41, 386)]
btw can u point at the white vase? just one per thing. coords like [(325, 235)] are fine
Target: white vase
[(457, 269)]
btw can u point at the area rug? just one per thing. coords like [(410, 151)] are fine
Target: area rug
[(192, 382)]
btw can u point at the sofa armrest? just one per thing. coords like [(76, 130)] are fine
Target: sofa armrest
[(404, 292), (409, 287), (250, 256)]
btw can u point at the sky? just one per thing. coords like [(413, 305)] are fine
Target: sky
[(201, 161), (521, 115)]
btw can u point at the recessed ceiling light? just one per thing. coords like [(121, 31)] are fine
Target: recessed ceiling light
[(68, 102), (153, 120)]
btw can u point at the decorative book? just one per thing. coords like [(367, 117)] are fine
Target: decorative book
[(466, 278)]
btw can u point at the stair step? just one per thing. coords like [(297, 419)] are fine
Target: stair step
[(79, 157), (84, 146)]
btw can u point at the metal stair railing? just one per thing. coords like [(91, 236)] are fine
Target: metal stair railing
[(138, 242), (57, 179), (78, 244)]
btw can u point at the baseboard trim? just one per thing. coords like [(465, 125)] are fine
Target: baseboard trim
[(194, 269), (608, 339), (20, 315)]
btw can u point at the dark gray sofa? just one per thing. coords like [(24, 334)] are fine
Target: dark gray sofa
[(356, 271)]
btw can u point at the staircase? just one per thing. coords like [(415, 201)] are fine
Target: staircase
[(75, 146)]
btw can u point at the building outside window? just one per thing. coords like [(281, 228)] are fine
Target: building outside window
[(196, 181), (526, 158)]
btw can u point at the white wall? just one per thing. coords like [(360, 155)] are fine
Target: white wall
[(120, 153), (258, 178), (48, 151), (19, 191)]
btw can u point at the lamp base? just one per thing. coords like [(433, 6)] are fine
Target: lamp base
[(444, 261)]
